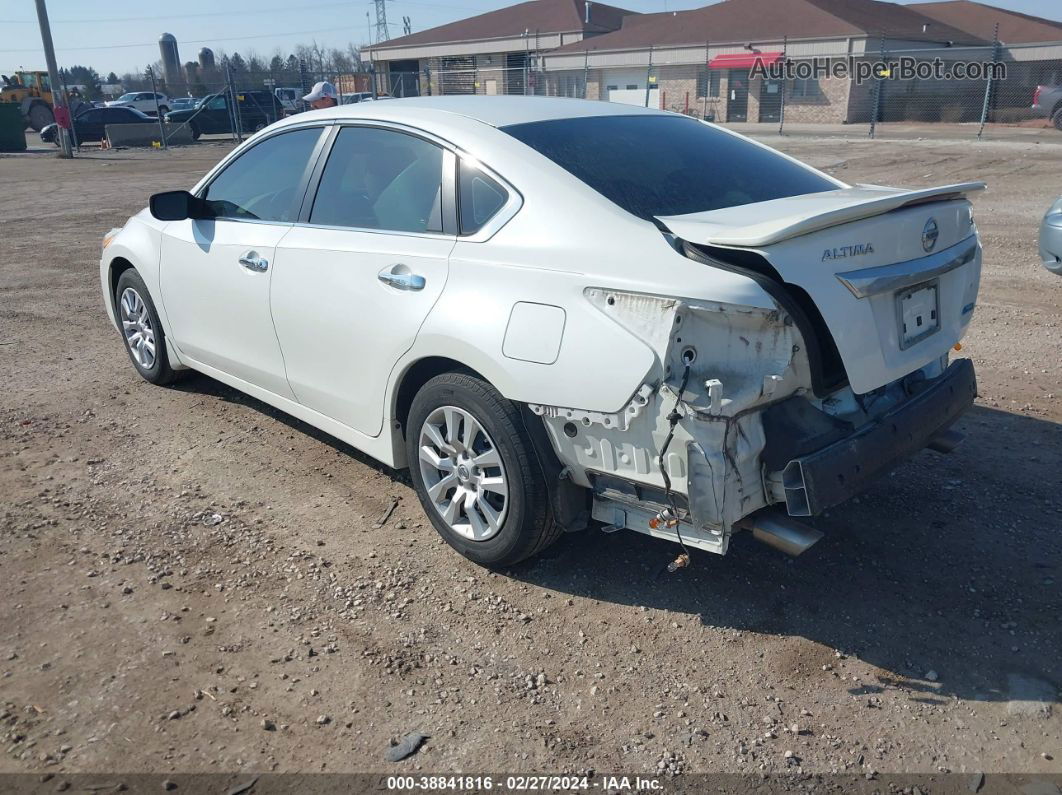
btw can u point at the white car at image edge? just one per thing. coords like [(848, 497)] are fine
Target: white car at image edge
[(554, 310)]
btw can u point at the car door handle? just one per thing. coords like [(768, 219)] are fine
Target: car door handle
[(400, 278), (253, 262)]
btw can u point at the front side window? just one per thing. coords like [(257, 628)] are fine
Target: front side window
[(479, 198), (263, 183), (381, 179), (217, 103), (658, 165)]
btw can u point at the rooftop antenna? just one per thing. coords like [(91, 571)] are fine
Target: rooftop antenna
[(586, 18), (407, 26)]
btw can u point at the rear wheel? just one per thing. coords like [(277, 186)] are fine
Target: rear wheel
[(1056, 118), (145, 341), (40, 116), (474, 470)]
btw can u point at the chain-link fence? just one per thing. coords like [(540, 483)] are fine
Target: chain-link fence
[(885, 89)]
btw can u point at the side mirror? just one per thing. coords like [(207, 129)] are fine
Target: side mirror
[(176, 205)]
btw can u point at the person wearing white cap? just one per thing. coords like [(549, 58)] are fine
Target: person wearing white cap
[(323, 95)]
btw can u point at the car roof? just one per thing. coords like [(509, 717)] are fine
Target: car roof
[(493, 110)]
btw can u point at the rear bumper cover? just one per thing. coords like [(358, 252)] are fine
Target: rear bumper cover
[(817, 481)]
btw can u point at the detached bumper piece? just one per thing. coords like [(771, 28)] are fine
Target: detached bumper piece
[(817, 481)]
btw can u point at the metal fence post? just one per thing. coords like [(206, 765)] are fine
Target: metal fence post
[(877, 91), (988, 83), (781, 106), (586, 70), (648, 76), (158, 115), (234, 110), (372, 78), (707, 80), (427, 79)]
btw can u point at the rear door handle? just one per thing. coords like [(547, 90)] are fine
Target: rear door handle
[(400, 277), (253, 262)]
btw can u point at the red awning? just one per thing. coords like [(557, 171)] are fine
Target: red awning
[(744, 60)]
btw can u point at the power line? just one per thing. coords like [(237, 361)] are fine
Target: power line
[(299, 9), (196, 41)]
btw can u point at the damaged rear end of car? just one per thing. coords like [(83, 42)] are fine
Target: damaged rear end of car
[(766, 416)]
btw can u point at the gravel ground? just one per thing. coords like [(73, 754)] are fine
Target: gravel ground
[(191, 582)]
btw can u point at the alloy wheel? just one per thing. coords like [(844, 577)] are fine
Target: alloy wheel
[(463, 473), (136, 326)]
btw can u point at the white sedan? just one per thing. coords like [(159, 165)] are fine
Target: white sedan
[(554, 310)]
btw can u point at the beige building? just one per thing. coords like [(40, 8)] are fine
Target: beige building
[(698, 62), (494, 53)]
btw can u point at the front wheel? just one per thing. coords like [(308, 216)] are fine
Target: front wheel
[(193, 128), (1057, 119), (475, 471), (145, 341), (40, 116)]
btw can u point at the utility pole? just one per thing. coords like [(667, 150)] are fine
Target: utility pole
[(58, 98)]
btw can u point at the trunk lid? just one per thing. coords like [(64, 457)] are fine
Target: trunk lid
[(894, 273)]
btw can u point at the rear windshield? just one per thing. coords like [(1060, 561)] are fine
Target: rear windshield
[(667, 165)]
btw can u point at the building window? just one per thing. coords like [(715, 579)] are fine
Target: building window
[(806, 88), (708, 80), (632, 87), (611, 88)]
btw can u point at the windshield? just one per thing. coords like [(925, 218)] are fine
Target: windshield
[(657, 165)]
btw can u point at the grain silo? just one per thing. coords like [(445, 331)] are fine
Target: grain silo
[(171, 63)]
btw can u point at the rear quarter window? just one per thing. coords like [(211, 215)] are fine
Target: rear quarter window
[(656, 165)]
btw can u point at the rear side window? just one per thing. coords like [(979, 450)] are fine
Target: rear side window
[(381, 179), (667, 165), (479, 198), (263, 183)]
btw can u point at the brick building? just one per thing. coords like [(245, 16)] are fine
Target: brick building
[(698, 61), (493, 53)]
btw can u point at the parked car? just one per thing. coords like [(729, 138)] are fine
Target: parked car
[(1047, 103), (144, 101), (1051, 238), (288, 97), (571, 322), (360, 96), (91, 123), (184, 103), (257, 109)]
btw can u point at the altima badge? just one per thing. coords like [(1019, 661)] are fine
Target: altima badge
[(930, 233)]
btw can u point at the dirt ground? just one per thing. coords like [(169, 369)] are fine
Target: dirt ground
[(190, 581)]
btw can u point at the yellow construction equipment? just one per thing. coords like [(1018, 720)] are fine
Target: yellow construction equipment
[(33, 92)]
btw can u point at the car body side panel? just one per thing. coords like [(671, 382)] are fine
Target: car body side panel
[(139, 243)]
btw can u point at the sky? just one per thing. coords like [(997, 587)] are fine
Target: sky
[(122, 35)]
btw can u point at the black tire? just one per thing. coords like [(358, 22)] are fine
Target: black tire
[(160, 372), (163, 110), (193, 128), (1057, 118), (528, 526), (40, 116)]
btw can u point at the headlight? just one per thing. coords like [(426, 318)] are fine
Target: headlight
[(107, 238)]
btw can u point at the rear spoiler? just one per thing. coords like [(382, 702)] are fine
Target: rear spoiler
[(765, 223)]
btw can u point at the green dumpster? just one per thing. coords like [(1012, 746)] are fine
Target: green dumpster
[(12, 128)]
